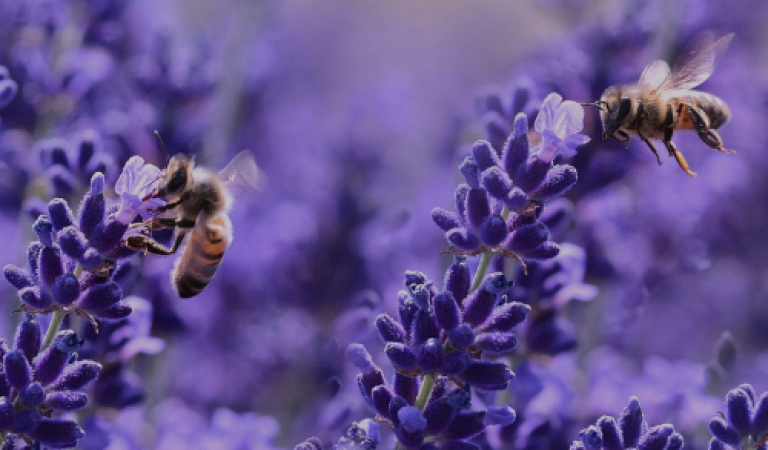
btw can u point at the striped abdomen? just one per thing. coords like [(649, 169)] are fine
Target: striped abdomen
[(201, 257), (715, 110)]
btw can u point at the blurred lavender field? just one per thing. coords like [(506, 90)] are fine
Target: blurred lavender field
[(644, 286)]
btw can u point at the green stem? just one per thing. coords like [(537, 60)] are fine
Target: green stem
[(53, 328), (426, 389), (482, 270)]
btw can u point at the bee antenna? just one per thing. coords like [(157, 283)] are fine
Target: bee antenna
[(163, 147)]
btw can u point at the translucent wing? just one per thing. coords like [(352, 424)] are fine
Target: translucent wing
[(654, 74), (241, 176), (696, 62)]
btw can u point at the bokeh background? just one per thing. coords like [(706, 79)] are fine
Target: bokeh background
[(358, 114)]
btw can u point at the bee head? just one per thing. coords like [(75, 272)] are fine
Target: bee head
[(615, 109), (175, 177)]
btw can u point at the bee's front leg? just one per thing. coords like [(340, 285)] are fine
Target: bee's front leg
[(149, 245)]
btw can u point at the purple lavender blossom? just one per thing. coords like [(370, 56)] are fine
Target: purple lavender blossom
[(137, 181), (37, 382), (560, 124), (745, 422)]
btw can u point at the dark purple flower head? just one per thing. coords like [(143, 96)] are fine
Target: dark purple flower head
[(745, 419), (630, 431)]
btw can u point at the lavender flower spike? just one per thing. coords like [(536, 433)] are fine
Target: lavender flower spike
[(135, 183), (559, 123)]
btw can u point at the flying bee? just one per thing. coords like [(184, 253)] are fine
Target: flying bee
[(663, 101), (198, 200)]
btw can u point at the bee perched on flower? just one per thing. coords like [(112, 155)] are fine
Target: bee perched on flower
[(498, 208)]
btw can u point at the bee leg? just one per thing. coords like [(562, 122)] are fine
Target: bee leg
[(701, 124), (149, 245), (624, 135), (678, 156), (649, 144), (159, 223)]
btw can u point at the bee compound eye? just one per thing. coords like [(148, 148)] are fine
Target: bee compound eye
[(178, 181), (625, 107)]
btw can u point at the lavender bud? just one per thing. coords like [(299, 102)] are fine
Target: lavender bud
[(66, 289), (395, 405), (760, 418), (405, 387), (33, 297), (462, 192), (50, 265), (508, 316), (312, 443), (44, 230), (76, 376), (527, 237), (714, 444), (430, 355), (458, 280), (559, 180), (517, 146), (100, 296), (421, 295), (500, 415), (721, 430), (438, 390), (401, 355), (632, 423), (28, 338), (50, 363), (406, 310), (26, 420), (610, 432), (91, 259), (481, 302), (446, 220), (118, 311), (424, 327), (360, 358), (493, 230), (455, 363), (93, 206), (407, 438), (72, 242), (67, 400), (675, 442), (414, 277), (389, 329), (33, 395), (8, 90), (531, 175), (18, 277), (516, 199), (33, 256), (447, 312), (58, 433), (465, 425), (17, 370), (487, 375), (62, 179), (411, 419), (462, 336), (547, 250), (463, 239), (108, 235), (471, 172), (484, 155), (496, 128), (57, 153), (750, 391), (381, 396), (738, 410), (438, 415), (6, 413), (726, 351), (656, 438), (591, 438), (478, 207), (497, 183), (496, 343)]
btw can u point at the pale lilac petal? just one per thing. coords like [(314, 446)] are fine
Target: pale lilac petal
[(576, 140), (569, 119), (546, 118)]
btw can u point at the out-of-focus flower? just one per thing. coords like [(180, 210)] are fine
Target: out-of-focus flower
[(137, 181), (8, 88), (560, 124)]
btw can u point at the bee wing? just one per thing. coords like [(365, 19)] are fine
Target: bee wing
[(696, 62), (654, 74), (242, 176)]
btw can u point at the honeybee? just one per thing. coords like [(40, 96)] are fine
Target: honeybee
[(663, 101), (198, 200)]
